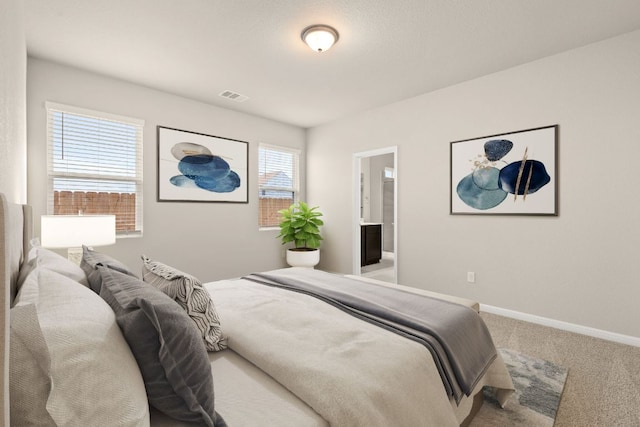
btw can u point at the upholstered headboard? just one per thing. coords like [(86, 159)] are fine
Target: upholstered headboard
[(17, 229)]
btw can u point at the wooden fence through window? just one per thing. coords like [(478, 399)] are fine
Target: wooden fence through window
[(122, 205), (269, 207)]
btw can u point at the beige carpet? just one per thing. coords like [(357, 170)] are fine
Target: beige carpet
[(603, 385)]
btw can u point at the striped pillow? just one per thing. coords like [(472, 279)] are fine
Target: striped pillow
[(187, 291)]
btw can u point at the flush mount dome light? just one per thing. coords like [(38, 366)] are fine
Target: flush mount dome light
[(320, 37)]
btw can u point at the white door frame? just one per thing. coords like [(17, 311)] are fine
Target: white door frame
[(355, 221)]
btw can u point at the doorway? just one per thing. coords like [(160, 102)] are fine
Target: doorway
[(375, 214)]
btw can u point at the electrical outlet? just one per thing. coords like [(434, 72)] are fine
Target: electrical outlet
[(471, 277)]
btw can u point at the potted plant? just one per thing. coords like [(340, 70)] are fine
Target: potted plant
[(300, 224)]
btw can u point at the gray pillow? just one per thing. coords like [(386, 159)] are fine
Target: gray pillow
[(169, 351), (189, 293), (90, 261)]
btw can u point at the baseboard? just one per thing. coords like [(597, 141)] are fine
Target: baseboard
[(565, 326)]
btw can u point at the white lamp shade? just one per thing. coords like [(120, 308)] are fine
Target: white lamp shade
[(68, 231), (320, 37)]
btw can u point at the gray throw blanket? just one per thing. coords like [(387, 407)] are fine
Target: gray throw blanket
[(455, 335)]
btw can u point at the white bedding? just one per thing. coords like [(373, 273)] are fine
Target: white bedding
[(351, 373)]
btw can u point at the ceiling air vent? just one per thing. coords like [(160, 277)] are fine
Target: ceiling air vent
[(233, 96)]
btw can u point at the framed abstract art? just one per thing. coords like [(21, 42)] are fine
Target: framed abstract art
[(513, 173), (194, 167)]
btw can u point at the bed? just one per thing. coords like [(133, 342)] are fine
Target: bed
[(284, 358)]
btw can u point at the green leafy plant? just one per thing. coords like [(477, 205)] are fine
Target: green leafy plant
[(301, 224)]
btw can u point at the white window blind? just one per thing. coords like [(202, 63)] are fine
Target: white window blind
[(94, 165), (278, 182)]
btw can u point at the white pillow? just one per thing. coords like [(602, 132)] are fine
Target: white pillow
[(42, 257), (95, 378), (29, 376)]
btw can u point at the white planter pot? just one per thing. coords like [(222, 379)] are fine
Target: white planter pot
[(308, 259)]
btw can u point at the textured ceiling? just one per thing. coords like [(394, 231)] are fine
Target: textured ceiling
[(388, 50)]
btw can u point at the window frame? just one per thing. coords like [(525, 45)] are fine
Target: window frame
[(137, 180), (295, 188)]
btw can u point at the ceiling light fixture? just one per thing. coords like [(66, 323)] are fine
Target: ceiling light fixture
[(320, 37)]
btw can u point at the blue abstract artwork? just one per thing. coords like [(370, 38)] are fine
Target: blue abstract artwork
[(206, 171), (481, 189), (201, 167), (523, 178), (505, 174)]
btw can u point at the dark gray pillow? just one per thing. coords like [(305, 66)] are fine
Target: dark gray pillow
[(170, 353), (90, 261)]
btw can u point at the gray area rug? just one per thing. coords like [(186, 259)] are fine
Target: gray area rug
[(538, 385)]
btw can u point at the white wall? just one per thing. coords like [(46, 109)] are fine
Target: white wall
[(209, 240), (579, 267), (13, 101)]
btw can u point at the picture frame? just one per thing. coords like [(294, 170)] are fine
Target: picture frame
[(514, 173), (196, 167)]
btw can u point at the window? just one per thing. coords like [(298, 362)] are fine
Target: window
[(277, 182), (389, 173), (94, 165)]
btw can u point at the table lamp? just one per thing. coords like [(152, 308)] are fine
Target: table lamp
[(73, 231)]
